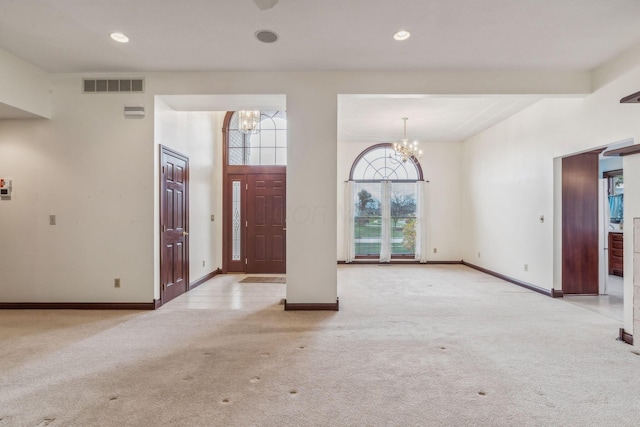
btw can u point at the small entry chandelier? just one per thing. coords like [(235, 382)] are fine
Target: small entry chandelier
[(405, 150), (249, 121)]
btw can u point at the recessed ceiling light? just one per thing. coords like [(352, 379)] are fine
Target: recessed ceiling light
[(120, 38), (402, 35), (266, 36)]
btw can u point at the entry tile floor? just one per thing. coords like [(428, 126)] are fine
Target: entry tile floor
[(229, 294), (609, 305)]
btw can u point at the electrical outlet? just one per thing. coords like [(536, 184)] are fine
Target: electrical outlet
[(213, 218), (478, 254), (526, 267), (52, 220), (203, 263), (116, 283), (435, 250)]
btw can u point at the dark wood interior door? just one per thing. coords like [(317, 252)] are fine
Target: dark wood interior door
[(580, 224), (266, 227), (174, 224)]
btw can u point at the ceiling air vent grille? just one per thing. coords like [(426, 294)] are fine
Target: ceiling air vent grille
[(112, 85)]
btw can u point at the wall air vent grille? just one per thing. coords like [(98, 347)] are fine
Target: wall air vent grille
[(112, 85)]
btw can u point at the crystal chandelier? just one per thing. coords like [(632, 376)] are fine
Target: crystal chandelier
[(249, 121), (404, 150)]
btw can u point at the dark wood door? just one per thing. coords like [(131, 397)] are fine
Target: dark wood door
[(266, 204), (580, 224), (174, 224)]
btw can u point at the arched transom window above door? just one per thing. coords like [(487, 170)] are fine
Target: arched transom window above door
[(266, 147), (378, 163)]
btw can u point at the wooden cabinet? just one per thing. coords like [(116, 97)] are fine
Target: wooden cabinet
[(616, 260)]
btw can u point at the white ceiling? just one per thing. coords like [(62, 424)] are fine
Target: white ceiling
[(378, 118), (226, 102), (214, 35), (10, 112), (166, 35)]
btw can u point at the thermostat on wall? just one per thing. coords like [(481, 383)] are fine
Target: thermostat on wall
[(5, 188)]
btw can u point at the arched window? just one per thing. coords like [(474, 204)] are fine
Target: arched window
[(385, 210), (379, 163), (267, 147)]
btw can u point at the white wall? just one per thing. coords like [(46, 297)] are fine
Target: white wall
[(508, 173), (24, 86), (607, 164), (99, 173), (312, 117), (441, 166), (197, 136), (92, 168)]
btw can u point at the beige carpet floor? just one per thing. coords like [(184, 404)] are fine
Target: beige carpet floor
[(411, 346)]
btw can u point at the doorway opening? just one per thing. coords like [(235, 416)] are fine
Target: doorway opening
[(592, 224)]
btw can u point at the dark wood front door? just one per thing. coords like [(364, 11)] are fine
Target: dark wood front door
[(174, 224), (580, 224), (266, 227)]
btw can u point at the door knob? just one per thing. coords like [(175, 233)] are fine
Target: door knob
[(184, 233)]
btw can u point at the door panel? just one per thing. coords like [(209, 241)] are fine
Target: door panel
[(580, 224), (278, 248), (174, 225), (266, 202), (260, 208), (260, 246)]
